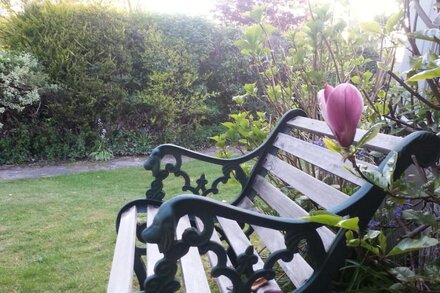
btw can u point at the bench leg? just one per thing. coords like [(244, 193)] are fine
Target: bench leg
[(139, 266)]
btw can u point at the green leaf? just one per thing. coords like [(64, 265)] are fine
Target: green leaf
[(403, 274), (382, 108), (349, 235), (349, 224), (371, 27), (355, 242), (369, 247), (239, 100), (250, 88), (355, 79), (370, 134), (367, 76), (381, 94), (364, 242), (323, 217), (332, 145), (388, 170), (433, 272), (329, 219), (383, 66), (228, 124), (374, 177), (382, 242), (268, 28), (427, 74), (372, 234), (420, 217), (392, 21), (432, 34), (408, 244), (397, 287), (257, 13), (349, 169)]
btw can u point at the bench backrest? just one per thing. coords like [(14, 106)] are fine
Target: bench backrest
[(296, 174), (293, 175)]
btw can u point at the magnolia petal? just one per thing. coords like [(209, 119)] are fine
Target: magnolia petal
[(343, 109), (328, 89), (322, 105)]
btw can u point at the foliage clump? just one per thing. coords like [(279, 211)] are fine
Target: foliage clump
[(399, 252), (149, 77), (22, 80)]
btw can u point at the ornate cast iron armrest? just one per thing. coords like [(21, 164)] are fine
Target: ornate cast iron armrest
[(229, 167), (163, 232), (163, 229), (153, 162)]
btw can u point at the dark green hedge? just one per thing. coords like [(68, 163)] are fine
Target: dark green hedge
[(155, 77)]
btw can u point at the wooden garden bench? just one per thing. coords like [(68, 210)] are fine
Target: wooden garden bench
[(260, 236)]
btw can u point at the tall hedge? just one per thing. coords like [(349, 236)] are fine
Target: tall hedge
[(148, 74)]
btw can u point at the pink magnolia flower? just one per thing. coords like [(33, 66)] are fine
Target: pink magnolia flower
[(341, 107)]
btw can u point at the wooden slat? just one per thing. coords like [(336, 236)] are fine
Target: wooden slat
[(286, 207), (153, 254), (318, 156), (298, 270), (223, 283), (382, 142), (276, 199), (239, 243), (121, 275), (319, 192), (193, 272)]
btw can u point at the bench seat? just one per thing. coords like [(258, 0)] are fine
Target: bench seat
[(258, 242)]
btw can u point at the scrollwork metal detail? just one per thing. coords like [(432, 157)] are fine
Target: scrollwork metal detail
[(163, 279), (201, 186)]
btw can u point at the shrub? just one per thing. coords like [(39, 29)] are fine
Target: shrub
[(21, 82), (127, 142), (132, 71), (34, 141), (91, 63)]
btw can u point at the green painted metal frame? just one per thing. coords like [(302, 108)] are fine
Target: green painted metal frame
[(363, 204)]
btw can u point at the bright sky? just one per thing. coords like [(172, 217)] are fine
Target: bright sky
[(187, 7), (363, 10)]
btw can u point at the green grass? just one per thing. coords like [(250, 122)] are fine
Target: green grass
[(57, 234)]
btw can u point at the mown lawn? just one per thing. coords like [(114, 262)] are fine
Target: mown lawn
[(57, 234)]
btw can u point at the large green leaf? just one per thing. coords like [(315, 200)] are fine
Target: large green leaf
[(329, 219), (420, 217), (407, 245), (371, 27), (403, 274), (392, 21), (427, 74), (432, 34), (349, 224), (323, 217)]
